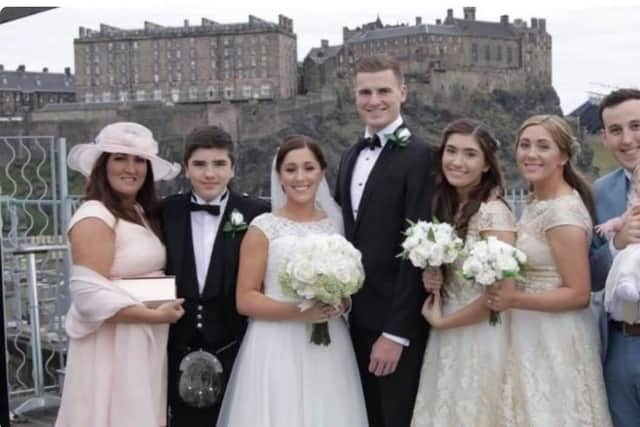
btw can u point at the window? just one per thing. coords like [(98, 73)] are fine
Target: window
[(140, 95), (88, 98), (106, 96), (124, 96), (474, 52), (265, 90), (193, 92), (156, 78), (211, 92), (246, 91), (228, 92), (175, 94), (157, 94), (509, 55), (499, 53), (487, 53)]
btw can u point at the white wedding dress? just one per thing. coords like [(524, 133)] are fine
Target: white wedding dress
[(280, 379)]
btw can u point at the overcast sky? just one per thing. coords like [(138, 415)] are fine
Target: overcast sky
[(596, 44)]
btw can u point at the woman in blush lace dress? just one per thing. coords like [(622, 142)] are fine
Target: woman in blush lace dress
[(280, 378), (554, 376), (462, 373)]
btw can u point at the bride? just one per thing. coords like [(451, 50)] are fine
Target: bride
[(280, 379)]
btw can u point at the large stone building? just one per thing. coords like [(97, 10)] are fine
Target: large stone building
[(192, 63), (451, 55), (22, 91)]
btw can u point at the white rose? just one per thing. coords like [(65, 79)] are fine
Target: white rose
[(344, 273), (404, 134), (450, 254), (471, 267), (237, 218), (506, 262), (437, 256), (486, 277), (417, 259), (411, 242), (304, 271)]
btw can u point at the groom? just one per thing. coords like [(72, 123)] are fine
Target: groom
[(202, 230), (384, 180)]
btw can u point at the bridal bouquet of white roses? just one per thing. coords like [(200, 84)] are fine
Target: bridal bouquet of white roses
[(430, 244), (325, 268), (488, 261)]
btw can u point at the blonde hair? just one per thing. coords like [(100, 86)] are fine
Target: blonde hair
[(562, 135)]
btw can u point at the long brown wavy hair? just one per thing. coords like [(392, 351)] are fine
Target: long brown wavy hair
[(562, 135), (98, 188), (446, 201)]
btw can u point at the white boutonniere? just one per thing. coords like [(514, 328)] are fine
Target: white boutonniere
[(236, 223), (400, 136)]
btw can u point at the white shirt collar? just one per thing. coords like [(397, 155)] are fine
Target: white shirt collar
[(386, 130), (218, 200)]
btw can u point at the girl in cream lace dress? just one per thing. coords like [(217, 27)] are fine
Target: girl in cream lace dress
[(463, 370), (554, 376)]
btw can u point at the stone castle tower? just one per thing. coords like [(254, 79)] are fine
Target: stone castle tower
[(452, 55)]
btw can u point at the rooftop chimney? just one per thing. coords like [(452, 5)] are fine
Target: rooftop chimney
[(504, 19), (67, 71), (1, 67), (534, 23), (21, 68), (324, 43), (542, 24), (186, 23), (45, 70), (469, 13), (449, 16), (438, 21), (418, 20)]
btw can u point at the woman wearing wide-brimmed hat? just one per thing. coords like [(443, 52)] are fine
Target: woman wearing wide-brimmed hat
[(116, 364)]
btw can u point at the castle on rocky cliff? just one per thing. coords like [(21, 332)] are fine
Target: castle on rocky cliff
[(453, 55)]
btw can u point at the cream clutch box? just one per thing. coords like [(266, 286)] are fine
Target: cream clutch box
[(151, 290)]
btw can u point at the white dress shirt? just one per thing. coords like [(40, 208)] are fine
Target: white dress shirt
[(204, 229), (364, 165)]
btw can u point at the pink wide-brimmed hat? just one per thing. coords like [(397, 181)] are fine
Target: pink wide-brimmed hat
[(126, 138)]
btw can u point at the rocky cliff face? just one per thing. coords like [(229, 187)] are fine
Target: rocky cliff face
[(259, 128)]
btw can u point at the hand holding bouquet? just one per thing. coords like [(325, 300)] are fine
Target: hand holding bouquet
[(491, 260), (325, 268)]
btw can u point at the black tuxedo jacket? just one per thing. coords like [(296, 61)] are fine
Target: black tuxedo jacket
[(398, 188), (212, 315)]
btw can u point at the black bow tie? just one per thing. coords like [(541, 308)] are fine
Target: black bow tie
[(212, 209), (371, 142)]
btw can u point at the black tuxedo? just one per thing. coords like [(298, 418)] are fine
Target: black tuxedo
[(398, 188), (211, 320)]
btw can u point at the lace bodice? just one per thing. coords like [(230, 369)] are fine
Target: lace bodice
[(538, 217), (491, 216), (280, 232)]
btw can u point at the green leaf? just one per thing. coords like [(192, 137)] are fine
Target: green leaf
[(431, 235)]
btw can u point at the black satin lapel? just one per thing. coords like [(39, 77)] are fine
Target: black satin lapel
[(221, 250), (345, 188), (375, 180)]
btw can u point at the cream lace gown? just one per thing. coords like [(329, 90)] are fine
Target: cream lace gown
[(280, 379), (462, 373), (554, 375)]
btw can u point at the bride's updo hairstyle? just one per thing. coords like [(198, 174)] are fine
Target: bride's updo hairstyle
[(562, 136), (295, 142), (446, 201)]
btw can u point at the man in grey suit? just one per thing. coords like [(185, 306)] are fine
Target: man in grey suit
[(620, 116)]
